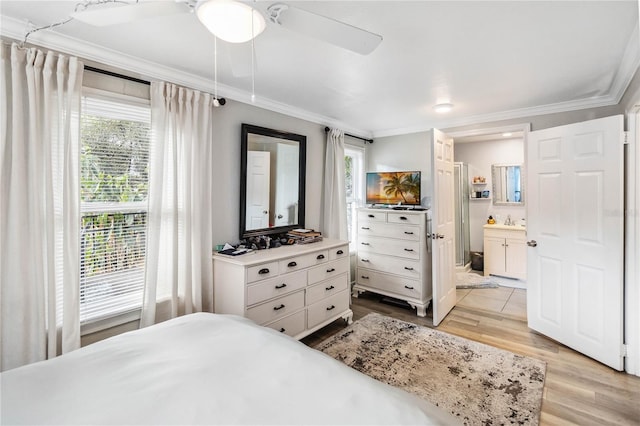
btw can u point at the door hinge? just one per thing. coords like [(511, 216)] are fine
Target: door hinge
[(626, 138), (623, 351)]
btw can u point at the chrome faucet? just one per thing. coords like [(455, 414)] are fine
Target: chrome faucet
[(509, 222)]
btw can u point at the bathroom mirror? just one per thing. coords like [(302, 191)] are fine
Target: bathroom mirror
[(508, 184), (272, 182)]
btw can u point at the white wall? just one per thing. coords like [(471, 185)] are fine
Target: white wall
[(226, 164), (480, 156), (403, 152)]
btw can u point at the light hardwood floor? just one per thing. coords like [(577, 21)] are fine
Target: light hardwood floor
[(577, 390)]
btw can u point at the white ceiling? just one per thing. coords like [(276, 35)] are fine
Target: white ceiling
[(492, 60)]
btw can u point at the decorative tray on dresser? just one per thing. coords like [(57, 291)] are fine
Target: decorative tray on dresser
[(392, 256), (295, 289)]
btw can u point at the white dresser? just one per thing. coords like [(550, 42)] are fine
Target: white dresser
[(393, 257), (294, 289), (505, 251)]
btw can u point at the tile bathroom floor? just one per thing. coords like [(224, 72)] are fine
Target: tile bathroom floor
[(504, 300)]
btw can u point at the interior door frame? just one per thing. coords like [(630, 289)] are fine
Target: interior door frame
[(632, 239)]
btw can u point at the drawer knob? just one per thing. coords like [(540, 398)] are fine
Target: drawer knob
[(282, 330), (408, 232), (331, 270), (408, 268), (365, 260), (277, 308), (371, 215), (365, 228), (403, 218), (263, 271), (408, 249), (330, 288), (283, 285), (320, 256), (331, 307), (365, 244), (339, 252), (408, 287), (292, 264), (364, 277)]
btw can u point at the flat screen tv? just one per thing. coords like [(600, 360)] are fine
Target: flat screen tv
[(393, 188)]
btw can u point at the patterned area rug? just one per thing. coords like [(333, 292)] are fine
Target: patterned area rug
[(479, 384), (473, 280)]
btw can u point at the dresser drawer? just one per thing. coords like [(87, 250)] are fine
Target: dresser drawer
[(274, 287), (328, 270), (261, 272), (301, 262), (406, 267), (413, 219), (400, 248), (339, 253), (327, 308), (369, 216), (401, 286), (291, 325), (403, 232), (276, 308), (327, 288)]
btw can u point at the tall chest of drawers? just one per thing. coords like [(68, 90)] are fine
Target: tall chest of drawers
[(293, 289), (393, 258)]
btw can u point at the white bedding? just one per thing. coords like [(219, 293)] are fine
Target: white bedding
[(203, 369)]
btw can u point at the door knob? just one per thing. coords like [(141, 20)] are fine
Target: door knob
[(532, 243), (437, 236), (264, 212), (280, 216)]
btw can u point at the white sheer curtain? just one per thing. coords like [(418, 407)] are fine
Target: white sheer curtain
[(335, 201), (179, 277), (40, 203)]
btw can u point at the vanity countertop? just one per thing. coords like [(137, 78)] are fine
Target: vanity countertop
[(505, 227)]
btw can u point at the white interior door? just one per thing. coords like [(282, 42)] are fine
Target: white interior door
[(444, 228), (574, 215), (258, 170)]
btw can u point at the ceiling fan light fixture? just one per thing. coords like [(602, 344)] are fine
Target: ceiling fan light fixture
[(230, 20)]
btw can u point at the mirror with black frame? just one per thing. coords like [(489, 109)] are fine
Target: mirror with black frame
[(508, 185), (272, 182)]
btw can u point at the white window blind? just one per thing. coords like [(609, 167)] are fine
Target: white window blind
[(114, 168)]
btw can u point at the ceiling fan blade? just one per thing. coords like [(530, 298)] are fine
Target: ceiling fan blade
[(115, 13), (323, 28)]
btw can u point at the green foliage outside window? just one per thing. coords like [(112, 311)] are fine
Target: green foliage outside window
[(114, 169)]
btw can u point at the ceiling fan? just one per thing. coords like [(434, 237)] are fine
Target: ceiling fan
[(214, 14)]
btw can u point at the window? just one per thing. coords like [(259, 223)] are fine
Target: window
[(114, 163), (354, 182)]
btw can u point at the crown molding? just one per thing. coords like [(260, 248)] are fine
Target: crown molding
[(624, 74), (15, 29), (594, 102)]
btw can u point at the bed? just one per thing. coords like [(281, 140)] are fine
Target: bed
[(203, 369)]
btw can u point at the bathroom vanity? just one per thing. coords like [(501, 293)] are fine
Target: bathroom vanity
[(505, 251)]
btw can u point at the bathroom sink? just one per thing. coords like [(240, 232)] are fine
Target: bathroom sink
[(499, 226)]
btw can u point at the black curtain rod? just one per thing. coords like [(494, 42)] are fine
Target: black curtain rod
[(221, 101), (326, 129), (115, 74)]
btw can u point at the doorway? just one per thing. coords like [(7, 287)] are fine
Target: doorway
[(479, 151)]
